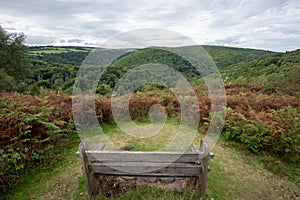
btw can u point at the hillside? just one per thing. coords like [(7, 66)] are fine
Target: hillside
[(222, 56), (63, 55), (56, 67), (280, 71), (225, 56)]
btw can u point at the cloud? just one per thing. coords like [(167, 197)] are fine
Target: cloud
[(226, 41), (265, 24), (75, 41), (148, 37), (40, 40)]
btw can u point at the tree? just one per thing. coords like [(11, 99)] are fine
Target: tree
[(13, 58), (104, 89), (6, 82)]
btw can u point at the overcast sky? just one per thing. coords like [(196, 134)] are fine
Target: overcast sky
[(260, 24)]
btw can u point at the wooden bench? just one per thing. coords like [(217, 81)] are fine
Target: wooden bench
[(145, 164)]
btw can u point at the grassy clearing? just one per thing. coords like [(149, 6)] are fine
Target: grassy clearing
[(156, 142), (235, 175)]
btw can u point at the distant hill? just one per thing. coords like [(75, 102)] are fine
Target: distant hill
[(225, 56), (59, 54), (222, 56), (55, 67)]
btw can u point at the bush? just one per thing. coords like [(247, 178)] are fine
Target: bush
[(29, 128), (277, 136)]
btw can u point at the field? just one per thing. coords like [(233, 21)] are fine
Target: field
[(56, 50)]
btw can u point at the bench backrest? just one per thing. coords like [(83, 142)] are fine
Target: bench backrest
[(145, 163), (133, 163)]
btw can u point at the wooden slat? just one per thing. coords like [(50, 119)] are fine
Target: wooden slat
[(86, 143), (124, 156), (100, 147), (204, 147), (146, 169), (147, 164), (194, 148)]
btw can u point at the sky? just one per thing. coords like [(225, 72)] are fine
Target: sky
[(260, 24)]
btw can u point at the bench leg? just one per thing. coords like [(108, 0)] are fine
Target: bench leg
[(203, 176), (92, 183), (204, 148)]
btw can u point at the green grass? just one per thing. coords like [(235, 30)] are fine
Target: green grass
[(157, 141), (33, 181)]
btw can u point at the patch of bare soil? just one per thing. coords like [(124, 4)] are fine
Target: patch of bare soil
[(64, 185), (117, 186)]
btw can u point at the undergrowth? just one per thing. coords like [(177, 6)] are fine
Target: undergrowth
[(28, 135)]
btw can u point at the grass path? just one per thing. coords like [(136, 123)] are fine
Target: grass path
[(234, 175), (237, 175)]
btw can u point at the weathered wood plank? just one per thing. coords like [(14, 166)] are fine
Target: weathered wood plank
[(147, 169), (100, 147), (204, 167), (86, 143), (123, 156), (203, 176), (147, 164), (204, 148), (91, 181)]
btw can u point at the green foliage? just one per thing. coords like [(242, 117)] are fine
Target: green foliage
[(288, 83), (62, 55), (281, 140), (225, 56), (275, 72), (53, 76), (27, 135), (47, 60), (13, 61), (104, 89)]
